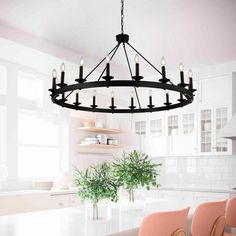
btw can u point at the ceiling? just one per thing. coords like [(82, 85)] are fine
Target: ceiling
[(198, 32)]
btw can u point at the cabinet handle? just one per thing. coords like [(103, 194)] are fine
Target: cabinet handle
[(60, 204)]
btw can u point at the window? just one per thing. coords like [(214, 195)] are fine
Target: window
[(173, 127), (156, 128), (140, 127), (30, 88), (38, 146), (188, 123), (221, 120), (206, 131)]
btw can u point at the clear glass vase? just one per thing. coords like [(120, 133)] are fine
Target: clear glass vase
[(97, 211)]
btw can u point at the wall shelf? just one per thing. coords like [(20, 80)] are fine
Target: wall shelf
[(105, 146), (100, 130), (98, 148)]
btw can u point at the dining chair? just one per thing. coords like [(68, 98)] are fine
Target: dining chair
[(230, 214), (209, 219), (170, 223)]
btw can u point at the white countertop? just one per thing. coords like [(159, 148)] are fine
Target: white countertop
[(34, 191), (72, 221)]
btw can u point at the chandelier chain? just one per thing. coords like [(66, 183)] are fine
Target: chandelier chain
[(122, 16)]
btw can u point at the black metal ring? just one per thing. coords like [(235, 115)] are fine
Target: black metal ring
[(123, 83)]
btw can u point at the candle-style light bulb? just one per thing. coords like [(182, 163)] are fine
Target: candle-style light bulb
[(54, 73), (190, 74), (94, 92), (81, 61), (136, 58), (112, 94), (181, 67), (132, 94), (63, 67), (150, 92), (167, 92), (108, 59), (163, 61)]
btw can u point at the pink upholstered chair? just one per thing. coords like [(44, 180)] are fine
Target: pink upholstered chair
[(170, 223), (209, 219), (230, 214)]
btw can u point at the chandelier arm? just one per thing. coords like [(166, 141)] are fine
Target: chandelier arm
[(144, 58), (69, 94), (113, 54), (100, 63), (131, 74)]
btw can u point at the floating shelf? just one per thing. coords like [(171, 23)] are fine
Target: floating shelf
[(98, 148), (105, 146), (100, 130)]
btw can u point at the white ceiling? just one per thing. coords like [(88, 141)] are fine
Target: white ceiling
[(197, 32)]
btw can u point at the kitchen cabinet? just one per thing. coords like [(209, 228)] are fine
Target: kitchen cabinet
[(156, 140), (60, 201), (215, 90), (19, 202), (182, 135), (211, 122), (140, 128)]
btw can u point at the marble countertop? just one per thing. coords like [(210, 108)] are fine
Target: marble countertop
[(73, 221)]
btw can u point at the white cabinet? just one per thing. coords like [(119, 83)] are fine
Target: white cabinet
[(192, 130), (64, 200), (16, 203), (140, 128), (182, 138), (156, 140), (60, 201), (215, 91), (27, 202), (212, 121)]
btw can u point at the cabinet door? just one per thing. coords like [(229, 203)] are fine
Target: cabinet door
[(212, 121), (60, 201), (206, 131), (222, 145), (140, 128), (155, 143), (173, 131)]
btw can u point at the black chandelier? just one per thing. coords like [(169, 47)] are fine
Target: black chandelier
[(106, 80)]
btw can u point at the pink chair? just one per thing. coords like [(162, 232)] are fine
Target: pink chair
[(230, 214), (209, 219), (170, 223)]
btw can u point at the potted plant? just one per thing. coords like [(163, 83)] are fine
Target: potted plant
[(95, 184), (135, 169)]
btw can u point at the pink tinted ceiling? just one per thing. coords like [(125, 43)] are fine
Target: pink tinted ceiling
[(197, 32)]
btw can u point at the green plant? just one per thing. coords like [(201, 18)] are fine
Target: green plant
[(135, 169), (95, 184)]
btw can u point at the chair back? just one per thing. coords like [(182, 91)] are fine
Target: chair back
[(171, 223), (208, 219), (230, 212)]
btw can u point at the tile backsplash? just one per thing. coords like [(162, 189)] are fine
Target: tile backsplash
[(201, 172)]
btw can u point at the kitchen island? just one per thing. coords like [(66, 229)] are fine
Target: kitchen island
[(73, 221)]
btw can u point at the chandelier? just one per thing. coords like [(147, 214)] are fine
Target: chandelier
[(60, 91)]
